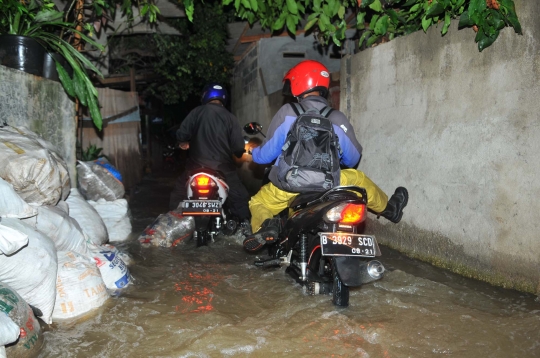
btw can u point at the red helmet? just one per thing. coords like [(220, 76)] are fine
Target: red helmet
[(307, 76)]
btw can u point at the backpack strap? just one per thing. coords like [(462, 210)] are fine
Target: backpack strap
[(325, 112), (297, 108)]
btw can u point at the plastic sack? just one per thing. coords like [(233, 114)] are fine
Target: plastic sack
[(62, 229), (31, 271), (29, 330), (113, 270), (115, 216), (9, 331), (38, 174), (168, 230), (87, 217), (11, 204), (80, 287), (96, 181)]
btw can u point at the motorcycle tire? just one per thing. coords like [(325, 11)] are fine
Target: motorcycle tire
[(340, 292), (202, 238)]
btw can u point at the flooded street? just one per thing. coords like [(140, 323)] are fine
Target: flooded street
[(212, 302)]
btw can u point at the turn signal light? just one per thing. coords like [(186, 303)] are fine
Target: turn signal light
[(346, 213)]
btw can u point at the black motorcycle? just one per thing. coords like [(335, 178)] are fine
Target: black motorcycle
[(322, 241)]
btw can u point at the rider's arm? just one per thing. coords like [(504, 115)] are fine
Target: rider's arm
[(185, 132), (275, 137), (350, 147)]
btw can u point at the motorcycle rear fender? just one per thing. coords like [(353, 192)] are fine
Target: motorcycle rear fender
[(352, 270), (309, 218)]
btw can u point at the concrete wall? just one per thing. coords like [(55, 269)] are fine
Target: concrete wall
[(42, 106), (460, 130)]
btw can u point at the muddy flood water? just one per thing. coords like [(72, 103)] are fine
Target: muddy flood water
[(212, 302)]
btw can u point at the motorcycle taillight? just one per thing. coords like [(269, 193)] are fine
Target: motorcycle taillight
[(346, 213), (203, 184)]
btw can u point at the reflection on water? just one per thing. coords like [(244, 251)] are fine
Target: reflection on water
[(211, 302)]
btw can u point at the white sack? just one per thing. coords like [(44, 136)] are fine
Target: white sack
[(11, 240), (96, 182), (31, 271), (116, 216), (87, 217), (62, 205), (80, 288), (3, 352), (113, 270), (38, 174), (62, 229), (21, 314), (9, 331), (11, 204)]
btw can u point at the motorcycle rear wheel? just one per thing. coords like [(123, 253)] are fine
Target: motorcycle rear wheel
[(340, 292), (202, 238)]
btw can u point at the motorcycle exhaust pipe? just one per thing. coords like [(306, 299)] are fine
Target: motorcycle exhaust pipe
[(371, 271)]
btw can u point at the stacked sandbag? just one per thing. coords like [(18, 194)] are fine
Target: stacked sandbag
[(87, 217), (28, 335), (31, 270), (98, 179), (113, 269), (9, 331), (80, 287), (11, 240), (116, 216), (36, 172), (11, 204), (62, 229), (168, 230)]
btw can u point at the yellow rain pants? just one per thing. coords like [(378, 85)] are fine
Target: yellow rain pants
[(270, 200)]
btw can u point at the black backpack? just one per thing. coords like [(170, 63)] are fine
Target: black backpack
[(309, 159)]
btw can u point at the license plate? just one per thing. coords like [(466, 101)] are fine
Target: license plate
[(344, 244), (201, 207)]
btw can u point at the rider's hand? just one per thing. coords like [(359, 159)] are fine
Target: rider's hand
[(184, 145)]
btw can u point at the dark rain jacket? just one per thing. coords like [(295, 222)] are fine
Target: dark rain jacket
[(281, 124), (214, 135)]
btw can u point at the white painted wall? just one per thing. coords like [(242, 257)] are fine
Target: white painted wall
[(460, 129)]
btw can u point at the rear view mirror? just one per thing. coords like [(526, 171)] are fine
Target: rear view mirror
[(253, 128)]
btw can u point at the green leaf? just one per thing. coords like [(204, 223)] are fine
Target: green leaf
[(363, 37), (381, 26), (254, 5), (360, 20), (246, 4), (66, 81), (95, 112), (435, 9), (447, 22), (487, 41), (341, 11), (513, 20), (376, 6), (465, 20), (409, 3), (279, 23), (373, 21), (291, 25), (79, 86), (426, 23), (48, 16), (372, 40), (310, 24), (366, 3), (293, 8)]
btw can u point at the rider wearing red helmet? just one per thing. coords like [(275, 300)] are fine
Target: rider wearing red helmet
[(309, 82)]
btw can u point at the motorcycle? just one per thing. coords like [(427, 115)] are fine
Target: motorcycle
[(322, 243), (207, 194)]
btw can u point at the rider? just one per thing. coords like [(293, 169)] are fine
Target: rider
[(213, 134), (308, 82)]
